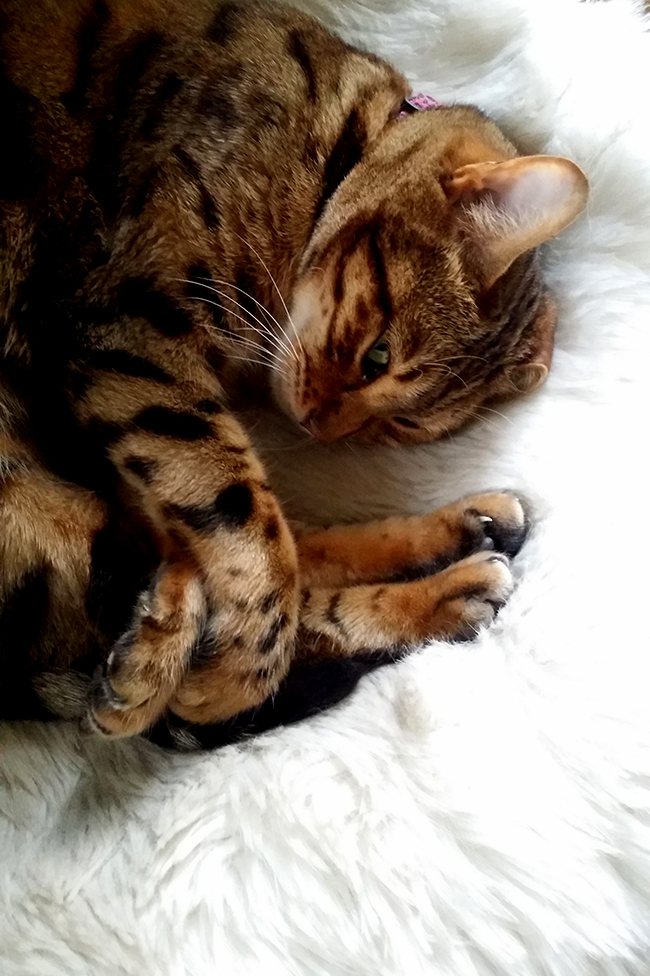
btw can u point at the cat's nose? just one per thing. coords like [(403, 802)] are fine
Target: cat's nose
[(310, 423), (328, 425)]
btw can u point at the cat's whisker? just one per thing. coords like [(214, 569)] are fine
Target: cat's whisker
[(256, 362), (224, 281), (499, 414), (268, 333), (450, 372), (209, 286), (237, 338), (348, 445), (266, 328), (255, 350), (261, 306), (466, 356), (264, 332), (280, 295)]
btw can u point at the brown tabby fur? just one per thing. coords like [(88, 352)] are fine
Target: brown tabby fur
[(178, 174)]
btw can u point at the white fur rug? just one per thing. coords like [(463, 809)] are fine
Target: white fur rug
[(475, 810)]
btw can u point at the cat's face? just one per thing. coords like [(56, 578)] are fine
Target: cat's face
[(414, 308)]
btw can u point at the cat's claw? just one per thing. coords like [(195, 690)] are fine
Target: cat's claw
[(149, 660), (474, 590), (494, 521)]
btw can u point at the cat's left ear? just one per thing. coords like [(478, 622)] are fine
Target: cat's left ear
[(507, 208)]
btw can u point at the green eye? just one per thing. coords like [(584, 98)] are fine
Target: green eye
[(376, 360)]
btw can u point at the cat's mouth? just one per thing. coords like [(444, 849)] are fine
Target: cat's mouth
[(331, 428)]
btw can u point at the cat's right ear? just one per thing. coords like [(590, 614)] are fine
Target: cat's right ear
[(507, 208)]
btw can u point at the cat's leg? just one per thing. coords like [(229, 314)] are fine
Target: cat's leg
[(391, 617), (445, 575), (412, 546), (228, 582), (344, 633), (451, 594)]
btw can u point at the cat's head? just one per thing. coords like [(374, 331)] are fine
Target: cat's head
[(419, 298)]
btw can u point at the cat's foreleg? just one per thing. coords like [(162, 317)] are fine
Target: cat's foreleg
[(413, 546), (376, 618)]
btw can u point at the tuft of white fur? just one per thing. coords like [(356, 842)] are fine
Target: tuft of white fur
[(474, 810)]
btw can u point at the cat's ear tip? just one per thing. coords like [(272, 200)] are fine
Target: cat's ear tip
[(528, 377), (574, 174)]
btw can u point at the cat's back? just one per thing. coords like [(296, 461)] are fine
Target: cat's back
[(96, 96), (69, 68)]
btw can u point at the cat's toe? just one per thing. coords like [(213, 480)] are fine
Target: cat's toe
[(115, 708), (476, 589), (497, 520)]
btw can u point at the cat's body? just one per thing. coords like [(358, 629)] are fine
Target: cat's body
[(183, 175)]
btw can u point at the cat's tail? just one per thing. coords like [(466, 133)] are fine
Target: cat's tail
[(308, 689)]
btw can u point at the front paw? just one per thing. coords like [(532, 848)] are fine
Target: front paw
[(495, 521), (452, 605), (469, 595)]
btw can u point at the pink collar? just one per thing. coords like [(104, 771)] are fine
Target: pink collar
[(417, 103)]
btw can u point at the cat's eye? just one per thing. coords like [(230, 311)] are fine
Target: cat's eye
[(405, 422), (376, 360)]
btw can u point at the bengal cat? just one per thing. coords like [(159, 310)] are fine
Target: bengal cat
[(203, 198)]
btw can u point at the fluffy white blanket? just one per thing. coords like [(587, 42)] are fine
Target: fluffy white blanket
[(480, 809)]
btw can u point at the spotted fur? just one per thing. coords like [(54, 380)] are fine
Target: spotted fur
[(201, 199)]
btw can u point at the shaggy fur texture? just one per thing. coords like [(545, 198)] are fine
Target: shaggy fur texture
[(473, 810)]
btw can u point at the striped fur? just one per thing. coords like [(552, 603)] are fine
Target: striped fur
[(177, 172)]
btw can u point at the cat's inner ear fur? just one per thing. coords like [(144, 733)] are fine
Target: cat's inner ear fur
[(509, 207)]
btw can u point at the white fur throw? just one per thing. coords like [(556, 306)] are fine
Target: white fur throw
[(478, 810)]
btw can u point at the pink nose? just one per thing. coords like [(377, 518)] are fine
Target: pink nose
[(311, 423)]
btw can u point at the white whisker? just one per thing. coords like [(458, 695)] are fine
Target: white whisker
[(256, 362), (267, 332), (263, 308), (270, 362), (450, 372), (234, 337), (277, 288), (499, 414)]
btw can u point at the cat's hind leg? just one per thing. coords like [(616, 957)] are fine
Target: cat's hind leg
[(48, 530)]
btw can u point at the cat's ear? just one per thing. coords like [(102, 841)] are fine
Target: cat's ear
[(529, 376), (508, 208)]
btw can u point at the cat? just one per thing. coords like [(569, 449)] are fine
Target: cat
[(201, 200)]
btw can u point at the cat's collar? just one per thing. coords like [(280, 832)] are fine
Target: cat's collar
[(417, 103)]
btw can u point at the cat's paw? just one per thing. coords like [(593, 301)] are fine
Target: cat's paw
[(452, 605), (495, 521), (469, 595), (147, 663)]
